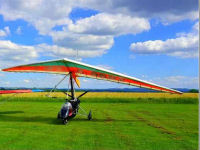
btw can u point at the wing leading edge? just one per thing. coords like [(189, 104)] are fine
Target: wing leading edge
[(78, 69)]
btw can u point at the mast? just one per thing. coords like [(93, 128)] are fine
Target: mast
[(72, 86)]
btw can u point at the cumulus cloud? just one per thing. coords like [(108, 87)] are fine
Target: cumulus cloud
[(108, 24), (177, 81), (82, 42), (87, 45), (168, 18), (61, 52), (184, 45), (106, 67), (26, 80), (166, 11), (94, 35), (16, 53), (5, 32), (44, 15), (11, 52), (19, 30)]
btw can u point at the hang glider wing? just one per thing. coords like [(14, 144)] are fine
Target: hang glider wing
[(78, 69)]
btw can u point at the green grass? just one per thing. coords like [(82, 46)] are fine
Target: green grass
[(135, 124)]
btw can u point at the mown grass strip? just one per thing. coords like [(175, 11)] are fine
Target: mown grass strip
[(107, 100)]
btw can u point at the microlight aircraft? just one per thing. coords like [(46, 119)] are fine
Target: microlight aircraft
[(77, 69)]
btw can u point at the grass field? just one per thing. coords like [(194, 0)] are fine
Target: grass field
[(135, 121)]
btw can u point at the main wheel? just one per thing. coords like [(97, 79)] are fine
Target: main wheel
[(64, 121), (58, 116), (90, 115)]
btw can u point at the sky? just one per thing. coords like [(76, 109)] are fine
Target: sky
[(152, 40)]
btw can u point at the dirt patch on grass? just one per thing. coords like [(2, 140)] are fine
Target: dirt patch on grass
[(152, 124), (108, 117), (146, 112), (126, 139)]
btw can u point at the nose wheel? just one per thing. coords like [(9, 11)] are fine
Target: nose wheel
[(90, 115)]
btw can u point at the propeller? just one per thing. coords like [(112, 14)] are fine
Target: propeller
[(67, 94), (82, 94), (78, 96)]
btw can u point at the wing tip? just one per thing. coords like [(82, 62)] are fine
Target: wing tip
[(178, 92)]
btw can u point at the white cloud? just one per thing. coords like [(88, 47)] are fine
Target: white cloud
[(7, 83), (108, 24), (26, 81), (19, 30), (185, 45), (5, 32), (169, 18), (61, 52), (2, 33), (178, 81), (84, 80), (44, 15), (105, 67), (165, 11), (82, 42), (94, 35), (67, 44), (16, 53)]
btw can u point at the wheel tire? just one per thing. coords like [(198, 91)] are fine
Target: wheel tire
[(90, 115), (58, 116), (64, 121)]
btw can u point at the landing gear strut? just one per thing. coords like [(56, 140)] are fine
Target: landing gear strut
[(71, 107)]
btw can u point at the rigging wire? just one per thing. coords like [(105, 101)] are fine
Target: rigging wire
[(52, 90)]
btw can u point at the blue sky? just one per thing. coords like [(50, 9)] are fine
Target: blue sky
[(157, 45)]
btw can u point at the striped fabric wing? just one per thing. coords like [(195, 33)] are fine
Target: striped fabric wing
[(66, 66)]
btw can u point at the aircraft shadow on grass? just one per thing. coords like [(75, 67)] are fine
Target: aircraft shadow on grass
[(7, 116), (10, 112), (96, 120)]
